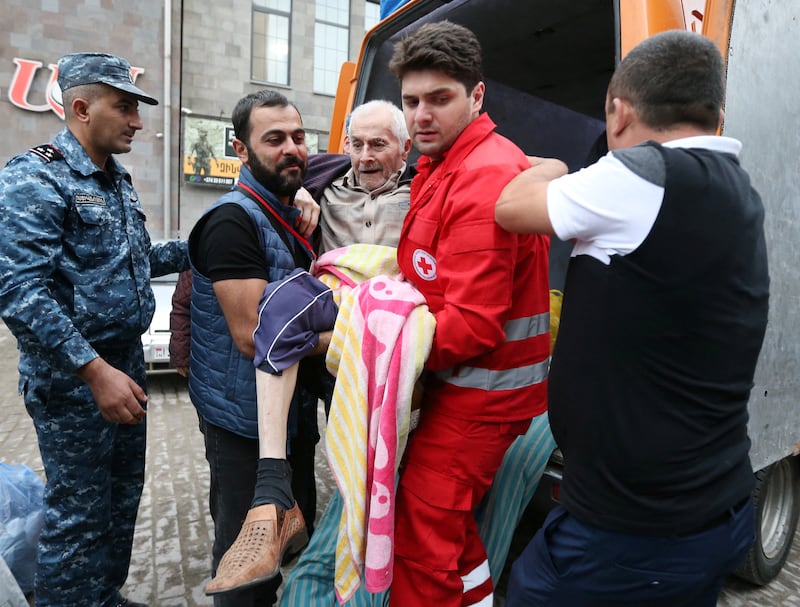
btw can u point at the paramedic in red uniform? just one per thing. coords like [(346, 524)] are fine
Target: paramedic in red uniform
[(488, 289)]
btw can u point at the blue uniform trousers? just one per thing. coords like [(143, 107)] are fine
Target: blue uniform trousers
[(571, 564), (95, 475)]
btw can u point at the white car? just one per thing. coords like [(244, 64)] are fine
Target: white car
[(156, 340)]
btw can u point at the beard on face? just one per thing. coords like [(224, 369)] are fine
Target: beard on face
[(275, 181)]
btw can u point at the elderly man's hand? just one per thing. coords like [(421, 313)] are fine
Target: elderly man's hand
[(309, 213)]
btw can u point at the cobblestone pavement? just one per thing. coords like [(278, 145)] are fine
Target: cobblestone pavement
[(171, 562)]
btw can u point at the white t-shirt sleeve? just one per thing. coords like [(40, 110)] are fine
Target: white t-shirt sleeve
[(606, 208)]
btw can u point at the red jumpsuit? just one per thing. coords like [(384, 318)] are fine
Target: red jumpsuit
[(488, 289)]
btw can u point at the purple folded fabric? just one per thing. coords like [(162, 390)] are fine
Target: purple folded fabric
[(291, 314)]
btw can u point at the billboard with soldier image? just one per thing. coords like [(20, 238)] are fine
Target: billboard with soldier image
[(208, 156)]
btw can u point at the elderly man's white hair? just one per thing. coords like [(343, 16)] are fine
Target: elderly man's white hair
[(398, 126)]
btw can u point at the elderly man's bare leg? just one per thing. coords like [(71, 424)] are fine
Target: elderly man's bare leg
[(273, 530)]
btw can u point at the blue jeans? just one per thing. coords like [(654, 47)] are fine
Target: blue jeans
[(571, 564)]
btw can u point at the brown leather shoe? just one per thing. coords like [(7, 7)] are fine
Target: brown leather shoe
[(268, 536)]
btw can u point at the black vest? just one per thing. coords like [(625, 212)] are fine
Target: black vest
[(656, 353)]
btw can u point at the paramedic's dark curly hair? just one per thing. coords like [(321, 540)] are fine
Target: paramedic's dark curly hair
[(443, 46), (671, 78)]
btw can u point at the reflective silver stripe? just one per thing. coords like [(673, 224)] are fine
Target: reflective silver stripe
[(507, 379), (530, 326), (476, 577)]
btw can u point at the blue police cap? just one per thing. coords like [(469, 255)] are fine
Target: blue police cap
[(77, 69)]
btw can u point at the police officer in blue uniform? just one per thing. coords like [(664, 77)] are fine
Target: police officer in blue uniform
[(75, 268)]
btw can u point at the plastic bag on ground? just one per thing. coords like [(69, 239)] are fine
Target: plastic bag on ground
[(21, 518), (10, 592)]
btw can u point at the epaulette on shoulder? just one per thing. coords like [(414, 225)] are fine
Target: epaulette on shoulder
[(47, 152)]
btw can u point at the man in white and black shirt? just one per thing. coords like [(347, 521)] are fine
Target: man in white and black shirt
[(665, 309)]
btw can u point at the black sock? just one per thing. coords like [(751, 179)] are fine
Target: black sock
[(273, 483)]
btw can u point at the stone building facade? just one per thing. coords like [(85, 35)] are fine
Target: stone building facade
[(197, 58)]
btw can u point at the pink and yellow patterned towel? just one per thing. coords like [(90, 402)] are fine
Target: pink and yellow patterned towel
[(343, 268), (381, 339)]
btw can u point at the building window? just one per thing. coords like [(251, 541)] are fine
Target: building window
[(270, 58), (372, 14), (331, 43)]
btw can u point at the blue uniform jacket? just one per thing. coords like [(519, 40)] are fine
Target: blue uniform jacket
[(75, 257)]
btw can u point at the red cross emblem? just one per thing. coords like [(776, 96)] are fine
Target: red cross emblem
[(424, 265)]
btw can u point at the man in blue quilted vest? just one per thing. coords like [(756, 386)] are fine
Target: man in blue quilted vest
[(245, 241)]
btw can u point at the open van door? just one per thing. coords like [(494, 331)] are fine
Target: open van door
[(763, 84)]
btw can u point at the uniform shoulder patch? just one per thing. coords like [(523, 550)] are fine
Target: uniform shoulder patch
[(47, 152)]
